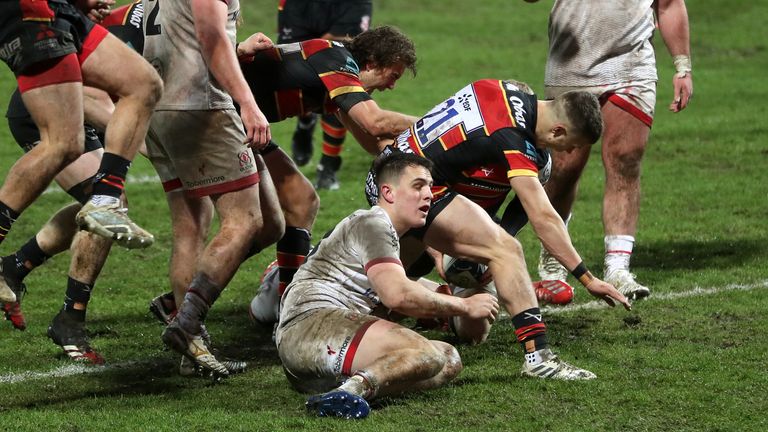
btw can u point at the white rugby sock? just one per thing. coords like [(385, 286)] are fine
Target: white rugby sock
[(618, 251)]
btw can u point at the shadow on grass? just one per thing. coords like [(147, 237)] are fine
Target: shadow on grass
[(695, 255)]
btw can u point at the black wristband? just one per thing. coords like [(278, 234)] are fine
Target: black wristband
[(582, 274)]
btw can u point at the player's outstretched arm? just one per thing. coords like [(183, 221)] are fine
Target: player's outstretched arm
[(378, 122), (407, 297), (550, 229)]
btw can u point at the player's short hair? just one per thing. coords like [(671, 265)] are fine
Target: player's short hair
[(524, 87), (389, 168), (582, 111), (383, 46)]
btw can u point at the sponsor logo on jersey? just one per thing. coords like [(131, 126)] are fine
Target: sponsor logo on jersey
[(518, 112), (137, 15), (402, 142), (466, 101), (530, 151), (7, 50), (351, 66)]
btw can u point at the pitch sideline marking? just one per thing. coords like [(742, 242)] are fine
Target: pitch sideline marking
[(696, 291), (75, 369), (140, 179)]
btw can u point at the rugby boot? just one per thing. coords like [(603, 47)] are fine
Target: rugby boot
[(550, 366), (69, 333), (624, 281), (12, 309), (326, 178), (183, 335), (338, 403), (163, 307), (550, 268), (188, 368), (7, 293), (112, 221), (553, 292), (193, 347), (301, 144)]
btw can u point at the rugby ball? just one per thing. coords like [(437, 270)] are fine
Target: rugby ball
[(463, 273)]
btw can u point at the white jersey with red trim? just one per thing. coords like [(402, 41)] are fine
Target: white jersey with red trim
[(599, 42), (171, 46), (334, 274)]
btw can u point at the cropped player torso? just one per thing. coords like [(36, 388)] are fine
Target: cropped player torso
[(585, 53), (171, 46), (312, 76), (479, 139)]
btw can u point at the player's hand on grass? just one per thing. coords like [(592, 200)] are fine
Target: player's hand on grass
[(608, 292), (483, 305)]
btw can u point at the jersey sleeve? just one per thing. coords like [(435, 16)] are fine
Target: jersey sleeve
[(519, 153), (340, 75), (376, 241)]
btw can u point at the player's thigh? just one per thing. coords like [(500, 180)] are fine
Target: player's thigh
[(624, 137), (294, 190), (384, 337), (318, 349), (82, 169), (464, 229), (119, 70), (57, 110)]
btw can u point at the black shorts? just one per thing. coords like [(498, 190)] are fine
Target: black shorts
[(24, 43), (299, 20)]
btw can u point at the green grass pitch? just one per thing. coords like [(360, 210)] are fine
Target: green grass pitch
[(685, 359)]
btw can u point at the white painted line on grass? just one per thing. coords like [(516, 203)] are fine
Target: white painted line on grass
[(63, 371), (70, 370), (142, 179), (696, 291)]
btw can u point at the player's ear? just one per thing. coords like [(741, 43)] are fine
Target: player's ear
[(387, 193), (559, 130)]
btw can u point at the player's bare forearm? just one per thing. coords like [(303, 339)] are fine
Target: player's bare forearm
[(545, 221), (378, 122)]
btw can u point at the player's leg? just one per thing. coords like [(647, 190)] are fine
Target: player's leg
[(624, 140), (239, 223), (485, 242), (110, 65), (54, 237), (345, 21), (378, 356), (333, 143), (295, 22), (400, 360), (89, 254), (61, 142), (190, 223), (299, 203)]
